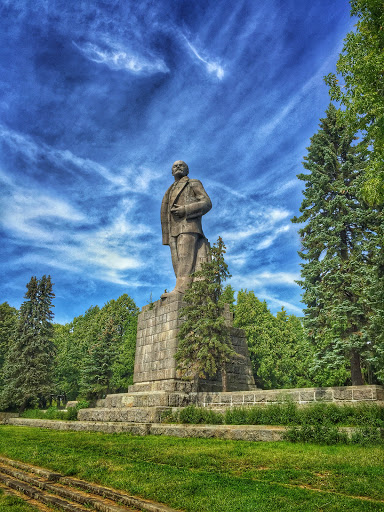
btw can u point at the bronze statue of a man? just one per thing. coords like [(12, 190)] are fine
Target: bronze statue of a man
[(183, 205)]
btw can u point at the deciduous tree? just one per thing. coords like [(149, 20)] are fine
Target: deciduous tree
[(279, 349), (96, 351), (361, 68)]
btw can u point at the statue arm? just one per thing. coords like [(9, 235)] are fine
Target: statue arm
[(202, 203)]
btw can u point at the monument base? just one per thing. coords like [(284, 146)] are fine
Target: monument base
[(156, 346), (149, 406)]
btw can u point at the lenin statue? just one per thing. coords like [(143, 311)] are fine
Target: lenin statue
[(183, 205)]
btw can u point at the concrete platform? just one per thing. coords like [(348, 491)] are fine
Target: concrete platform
[(143, 407), (264, 433), (235, 432), (124, 414)]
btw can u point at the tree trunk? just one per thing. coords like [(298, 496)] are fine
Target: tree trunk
[(224, 378), (195, 384), (356, 375)]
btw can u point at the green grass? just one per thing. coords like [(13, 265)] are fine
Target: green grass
[(14, 504), (284, 413), (53, 413), (209, 475)]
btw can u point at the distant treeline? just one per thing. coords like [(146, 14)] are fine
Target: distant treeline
[(94, 354)]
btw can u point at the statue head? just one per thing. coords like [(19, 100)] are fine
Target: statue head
[(179, 169)]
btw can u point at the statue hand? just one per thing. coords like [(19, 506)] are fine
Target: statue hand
[(178, 210)]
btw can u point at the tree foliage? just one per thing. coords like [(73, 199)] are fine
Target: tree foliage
[(29, 361), (361, 66), (339, 241), (96, 350), (72, 341), (8, 319), (204, 337), (279, 349)]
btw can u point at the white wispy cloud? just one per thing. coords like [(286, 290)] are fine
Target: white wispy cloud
[(281, 189), (211, 66), (258, 222), (116, 57), (61, 234), (268, 241), (275, 302), (265, 278), (30, 213), (303, 94), (35, 151), (135, 179), (261, 282)]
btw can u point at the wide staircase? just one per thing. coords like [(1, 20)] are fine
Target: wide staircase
[(148, 406), (138, 407)]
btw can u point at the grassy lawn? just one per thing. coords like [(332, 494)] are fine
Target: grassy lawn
[(14, 504), (208, 475)]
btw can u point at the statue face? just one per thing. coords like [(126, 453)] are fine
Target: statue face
[(179, 169)]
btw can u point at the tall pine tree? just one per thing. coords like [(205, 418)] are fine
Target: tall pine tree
[(8, 319), (336, 245), (97, 367), (204, 337), (29, 361)]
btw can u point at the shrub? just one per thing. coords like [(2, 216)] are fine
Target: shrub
[(367, 436), (82, 404), (71, 414), (319, 434), (195, 415), (52, 413)]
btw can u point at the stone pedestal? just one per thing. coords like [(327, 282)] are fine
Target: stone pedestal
[(156, 345)]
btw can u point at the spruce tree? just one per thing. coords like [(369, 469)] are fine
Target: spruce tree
[(204, 337), (97, 366), (8, 319), (375, 298), (336, 239), (29, 361)]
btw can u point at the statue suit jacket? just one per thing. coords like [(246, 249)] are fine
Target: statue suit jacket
[(190, 194)]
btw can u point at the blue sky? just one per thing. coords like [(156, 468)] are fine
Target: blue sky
[(98, 99)]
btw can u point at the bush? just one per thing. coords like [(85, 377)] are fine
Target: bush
[(286, 413), (71, 414), (319, 434), (82, 404), (53, 413), (195, 415), (367, 436), (168, 417), (315, 423)]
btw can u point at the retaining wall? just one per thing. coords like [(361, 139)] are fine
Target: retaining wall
[(339, 395)]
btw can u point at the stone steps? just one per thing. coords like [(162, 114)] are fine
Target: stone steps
[(235, 432), (58, 492), (148, 406), (125, 414), (144, 399)]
